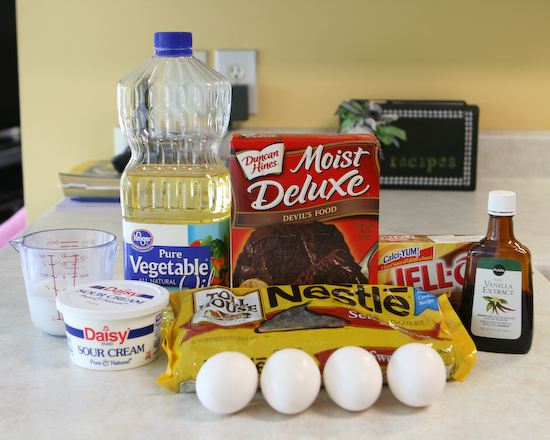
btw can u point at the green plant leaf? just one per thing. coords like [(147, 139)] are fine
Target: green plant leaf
[(395, 131), (358, 106), (383, 136), (345, 124)]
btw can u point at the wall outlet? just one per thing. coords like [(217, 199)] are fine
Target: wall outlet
[(239, 66)]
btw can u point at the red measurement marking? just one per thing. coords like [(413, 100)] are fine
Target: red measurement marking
[(69, 244), (52, 265), (75, 274)]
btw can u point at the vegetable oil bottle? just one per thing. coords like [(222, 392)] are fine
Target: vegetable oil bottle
[(497, 300), (175, 190)]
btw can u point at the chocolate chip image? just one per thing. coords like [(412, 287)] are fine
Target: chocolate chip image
[(301, 318)]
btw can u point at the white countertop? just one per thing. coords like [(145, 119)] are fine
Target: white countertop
[(505, 396)]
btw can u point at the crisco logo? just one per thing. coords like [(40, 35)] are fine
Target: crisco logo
[(142, 239)]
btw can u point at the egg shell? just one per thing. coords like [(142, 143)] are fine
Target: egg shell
[(353, 378), (227, 382), (290, 381), (416, 374)]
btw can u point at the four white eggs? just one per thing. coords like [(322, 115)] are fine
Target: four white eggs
[(290, 379)]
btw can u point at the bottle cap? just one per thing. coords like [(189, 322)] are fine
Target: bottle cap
[(173, 44), (502, 203)]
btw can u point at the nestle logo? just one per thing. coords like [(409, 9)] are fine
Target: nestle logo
[(261, 163), (142, 239)]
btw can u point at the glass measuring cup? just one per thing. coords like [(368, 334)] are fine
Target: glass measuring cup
[(57, 259)]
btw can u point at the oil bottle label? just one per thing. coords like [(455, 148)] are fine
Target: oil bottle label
[(176, 256), (496, 311)]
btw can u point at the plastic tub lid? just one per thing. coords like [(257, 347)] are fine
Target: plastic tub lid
[(112, 299)]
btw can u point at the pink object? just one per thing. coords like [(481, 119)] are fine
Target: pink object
[(12, 227)]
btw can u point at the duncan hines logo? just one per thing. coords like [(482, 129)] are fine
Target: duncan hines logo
[(314, 162), (221, 307), (262, 163)]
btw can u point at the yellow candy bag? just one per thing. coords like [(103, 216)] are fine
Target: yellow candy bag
[(318, 319)]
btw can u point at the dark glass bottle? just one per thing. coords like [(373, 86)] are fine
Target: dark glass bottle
[(497, 299)]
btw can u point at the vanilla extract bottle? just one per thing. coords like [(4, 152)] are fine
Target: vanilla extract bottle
[(497, 299)]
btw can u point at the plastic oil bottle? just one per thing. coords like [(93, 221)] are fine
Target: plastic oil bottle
[(497, 299), (175, 190)]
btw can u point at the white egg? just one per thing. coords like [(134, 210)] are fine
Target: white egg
[(227, 382), (290, 381), (416, 374), (353, 378)]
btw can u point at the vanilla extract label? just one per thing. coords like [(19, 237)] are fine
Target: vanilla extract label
[(497, 302)]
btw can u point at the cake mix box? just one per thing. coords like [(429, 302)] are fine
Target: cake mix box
[(434, 263), (305, 209)]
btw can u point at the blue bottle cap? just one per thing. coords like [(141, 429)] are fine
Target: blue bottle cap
[(173, 44)]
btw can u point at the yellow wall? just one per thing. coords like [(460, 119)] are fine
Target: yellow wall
[(312, 54)]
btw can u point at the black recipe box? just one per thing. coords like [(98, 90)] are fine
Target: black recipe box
[(425, 144)]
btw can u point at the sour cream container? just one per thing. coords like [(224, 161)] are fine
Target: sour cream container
[(113, 325)]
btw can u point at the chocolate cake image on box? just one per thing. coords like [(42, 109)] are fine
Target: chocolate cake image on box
[(304, 253)]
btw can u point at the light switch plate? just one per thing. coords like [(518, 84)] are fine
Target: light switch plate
[(240, 67)]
